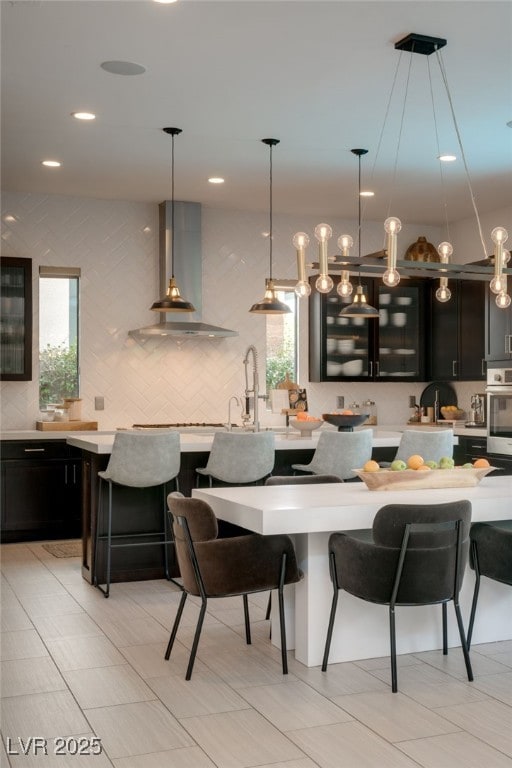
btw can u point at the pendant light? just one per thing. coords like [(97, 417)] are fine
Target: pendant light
[(270, 304), (359, 306), (173, 301)]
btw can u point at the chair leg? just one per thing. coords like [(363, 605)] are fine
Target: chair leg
[(332, 615), (445, 629), (176, 625), (475, 593), (196, 639), (392, 638), (166, 553), (246, 619), (465, 649), (269, 607), (282, 622)]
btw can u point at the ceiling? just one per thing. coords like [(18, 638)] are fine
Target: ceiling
[(316, 75)]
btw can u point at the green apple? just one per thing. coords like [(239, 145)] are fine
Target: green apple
[(467, 465), (432, 464), (398, 465), (445, 462)]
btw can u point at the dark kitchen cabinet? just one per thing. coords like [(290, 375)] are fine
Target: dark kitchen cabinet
[(40, 490), (15, 319), (456, 342), (388, 348), (498, 330)]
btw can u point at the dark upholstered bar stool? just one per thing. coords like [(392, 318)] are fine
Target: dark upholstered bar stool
[(302, 479), (239, 566), (138, 460), (413, 555), (491, 556)]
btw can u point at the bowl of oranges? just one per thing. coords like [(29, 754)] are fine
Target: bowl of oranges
[(305, 423), (452, 413), (415, 473)]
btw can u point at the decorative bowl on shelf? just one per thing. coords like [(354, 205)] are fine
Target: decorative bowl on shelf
[(413, 479), (306, 426), (450, 413), (345, 422)]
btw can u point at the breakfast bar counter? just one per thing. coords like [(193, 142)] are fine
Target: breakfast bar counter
[(310, 513)]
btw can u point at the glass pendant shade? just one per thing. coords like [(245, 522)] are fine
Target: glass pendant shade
[(503, 300), (270, 304), (359, 307)]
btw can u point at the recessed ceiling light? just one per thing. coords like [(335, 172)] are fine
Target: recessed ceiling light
[(447, 158), (165, 2), (51, 163), (214, 179), (83, 115), (123, 68), (367, 193)]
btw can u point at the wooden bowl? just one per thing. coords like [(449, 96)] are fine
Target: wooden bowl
[(412, 479), (458, 415)]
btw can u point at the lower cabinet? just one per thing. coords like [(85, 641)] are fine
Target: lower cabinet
[(40, 490)]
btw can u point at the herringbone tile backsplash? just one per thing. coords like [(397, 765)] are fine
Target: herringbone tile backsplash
[(115, 244)]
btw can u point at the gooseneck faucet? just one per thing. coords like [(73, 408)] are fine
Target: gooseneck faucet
[(251, 350), (236, 400)]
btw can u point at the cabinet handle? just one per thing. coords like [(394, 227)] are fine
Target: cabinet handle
[(377, 368), (483, 366), (370, 363), (508, 344), (74, 474), (34, 450), (65, 474), (454, 367)]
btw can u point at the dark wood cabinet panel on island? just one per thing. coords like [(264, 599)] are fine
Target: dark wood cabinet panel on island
[(388, 348)]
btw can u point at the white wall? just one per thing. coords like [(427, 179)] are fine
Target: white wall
[(115, 245)]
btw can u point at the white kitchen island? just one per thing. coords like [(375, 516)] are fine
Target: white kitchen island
[(310, 513)]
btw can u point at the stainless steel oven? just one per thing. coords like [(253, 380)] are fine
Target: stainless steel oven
[(499, 410)]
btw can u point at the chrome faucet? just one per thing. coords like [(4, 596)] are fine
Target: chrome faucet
[(251, 350), (237, 402)]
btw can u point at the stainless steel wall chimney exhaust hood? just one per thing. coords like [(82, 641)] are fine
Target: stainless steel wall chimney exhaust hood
[(188, 272)]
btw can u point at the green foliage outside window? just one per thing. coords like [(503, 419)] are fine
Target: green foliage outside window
[(278, 366), (58, 374)]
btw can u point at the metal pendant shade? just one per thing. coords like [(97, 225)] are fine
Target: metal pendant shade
[(270, 304), (359, 306), (172, 301)]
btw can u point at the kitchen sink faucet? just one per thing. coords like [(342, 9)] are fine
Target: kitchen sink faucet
[(237, 401), (251, 350)]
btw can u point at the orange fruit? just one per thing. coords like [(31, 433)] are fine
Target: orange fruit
[(481, 463), (415, 461), (424, 466), (371, 466), (347, 413), (301, 416)]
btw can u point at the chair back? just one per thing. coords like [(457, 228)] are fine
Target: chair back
[(144, 459), (493, 542), (301, 479), (430, 445), (338, 453), (192, 518), (241, 458), (433, 542)]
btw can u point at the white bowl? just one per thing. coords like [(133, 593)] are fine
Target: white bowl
[(404, 301), (399, 319), (352, 368), (331, 345), (346, 345), (333, 369), (384, 298), (306, 427)]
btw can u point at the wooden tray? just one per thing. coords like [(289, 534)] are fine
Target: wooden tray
[(412, 479), (66, 426)]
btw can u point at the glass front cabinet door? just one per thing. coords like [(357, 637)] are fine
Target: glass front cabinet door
[(15, 319), (387, 348)]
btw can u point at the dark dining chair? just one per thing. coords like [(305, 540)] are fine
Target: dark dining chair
[(211, 567), (491, 556), (413, 555)]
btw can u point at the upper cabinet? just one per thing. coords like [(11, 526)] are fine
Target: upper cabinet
[(498, 331), (15, 319), (456, 341), (388, 348)]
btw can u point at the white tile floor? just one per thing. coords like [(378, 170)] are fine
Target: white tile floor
[(77, 666)]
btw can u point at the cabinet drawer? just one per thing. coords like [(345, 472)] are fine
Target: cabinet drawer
[(38, 449)]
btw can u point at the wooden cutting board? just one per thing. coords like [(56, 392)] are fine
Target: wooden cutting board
[(66, 426)]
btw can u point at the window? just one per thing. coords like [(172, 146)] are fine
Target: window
[(58, 334), (282, 343)]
